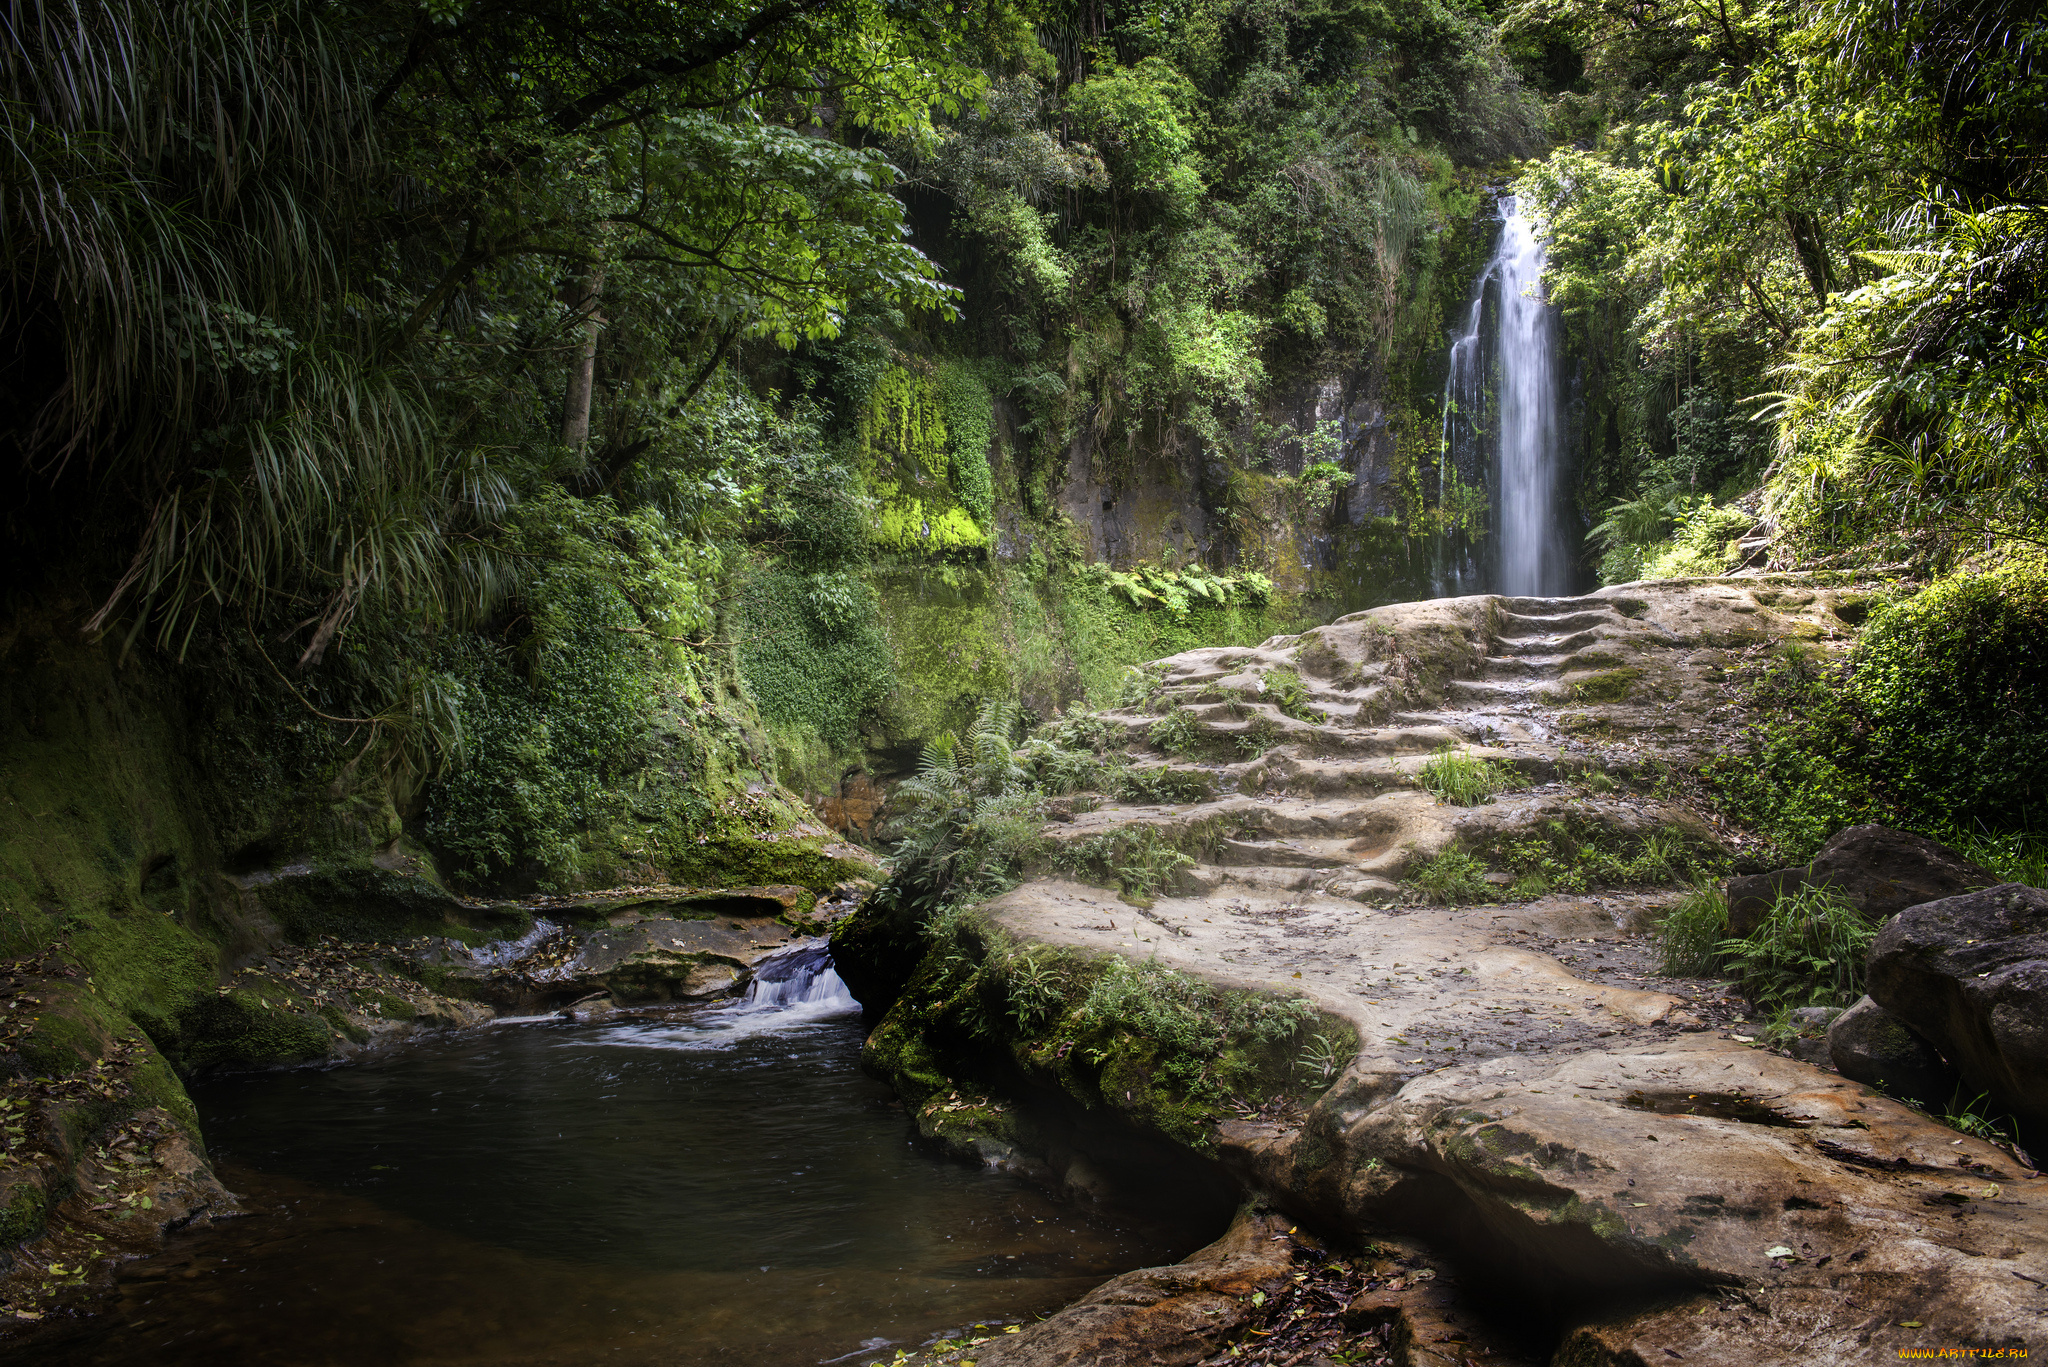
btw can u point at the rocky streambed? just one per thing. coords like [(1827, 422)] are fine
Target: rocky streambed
[(88, 1199), (1490, 1112)]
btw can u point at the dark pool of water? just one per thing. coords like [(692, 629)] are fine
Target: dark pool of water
[(723, 1189)]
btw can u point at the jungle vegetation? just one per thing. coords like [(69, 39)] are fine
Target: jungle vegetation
[(518, 397)]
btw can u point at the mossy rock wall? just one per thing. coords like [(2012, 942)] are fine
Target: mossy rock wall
[(1008, 1052), (167, 828)]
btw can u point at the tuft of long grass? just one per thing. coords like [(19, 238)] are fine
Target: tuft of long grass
[(1464, 780), (1179, 732), (1689, 936), (1809, 950), (1453, 878), (2015, 857)]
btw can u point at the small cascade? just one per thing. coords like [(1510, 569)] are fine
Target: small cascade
[(1501, 427), (793, 989), (499, 953), (801, 975), (1454, 570)]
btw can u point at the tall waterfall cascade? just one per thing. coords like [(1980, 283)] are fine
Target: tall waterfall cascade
[(1501, 424)]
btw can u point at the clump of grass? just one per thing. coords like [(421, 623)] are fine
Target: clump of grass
[(1286, 691), (1323, 1057), (1259, 737), (1809, 950), (1689, 936), (1572, 856), (2015, 857), (1610, 685), (1177, 733), (1452, 878), (1974, 1118), (1464, 780)]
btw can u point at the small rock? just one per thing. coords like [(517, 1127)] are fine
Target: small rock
[(1816, 1018), (1810, 1044), (1869, 1044)]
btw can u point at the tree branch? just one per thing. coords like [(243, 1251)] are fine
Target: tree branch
[(578, 112)]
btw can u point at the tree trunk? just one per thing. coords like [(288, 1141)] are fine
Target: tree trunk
[(1812, 250), (581, 297)]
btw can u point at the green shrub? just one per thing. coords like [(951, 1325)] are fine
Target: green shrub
[(969, 422), (1938, 723), (1803, 778), (971, 819), (1952, 686), (547, 730), (1285, 690), (1208, 1042), (812, 650), (1464, 780), (1139, 860), (1452, 878), (1808, 950), (1178, 732), (1689, 936)]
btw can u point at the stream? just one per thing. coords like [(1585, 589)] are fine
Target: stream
[(717, 1186)]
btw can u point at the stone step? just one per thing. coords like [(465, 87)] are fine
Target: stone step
[(1494, 691), (1515, 626), (1545, 645), (1212, 877), (1524, 666), (1278, 854), (1541, 607)]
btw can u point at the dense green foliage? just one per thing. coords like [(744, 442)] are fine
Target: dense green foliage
[(1934, 723), (544, 397), (1809, 950), (1804, 244), (382, 336)]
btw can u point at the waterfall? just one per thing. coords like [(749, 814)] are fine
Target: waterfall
[(1500, 423), (791, 990), (1532, 554), (801, 975)]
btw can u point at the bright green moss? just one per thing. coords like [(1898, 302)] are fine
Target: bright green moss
[(903, 452)]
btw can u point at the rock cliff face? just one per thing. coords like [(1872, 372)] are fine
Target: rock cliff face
[(1501, 1076)]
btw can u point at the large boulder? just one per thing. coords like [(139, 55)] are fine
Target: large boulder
[(1868, 1044), (1971, 974), (1877, 870)]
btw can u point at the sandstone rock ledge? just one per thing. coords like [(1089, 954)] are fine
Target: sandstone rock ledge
[(1604, 1170)]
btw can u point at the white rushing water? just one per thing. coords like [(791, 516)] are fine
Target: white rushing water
[(1532, 558), (1501, 416), (791, 988)]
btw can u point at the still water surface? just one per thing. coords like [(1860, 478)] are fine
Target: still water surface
[(725, 1188)]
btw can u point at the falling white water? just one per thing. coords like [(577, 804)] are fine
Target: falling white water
[(498, 953), (1453, 570), (801, 975), (1507, 432), (791, 988), (1532, 554)]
